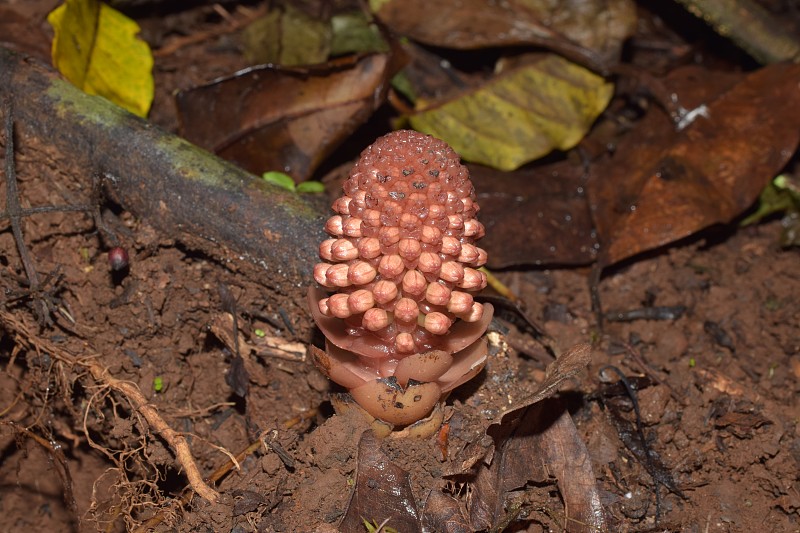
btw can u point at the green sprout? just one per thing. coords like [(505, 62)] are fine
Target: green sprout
[(285, 181), (782, 195), (772, 367), (158, 383)]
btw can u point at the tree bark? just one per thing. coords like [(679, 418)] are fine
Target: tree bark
[(180, 189)]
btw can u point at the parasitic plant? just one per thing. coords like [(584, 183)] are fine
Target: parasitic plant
[(401, 324)]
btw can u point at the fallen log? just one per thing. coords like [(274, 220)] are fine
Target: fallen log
[(183, 191)]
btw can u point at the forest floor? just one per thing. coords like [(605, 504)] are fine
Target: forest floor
[(717, 379)]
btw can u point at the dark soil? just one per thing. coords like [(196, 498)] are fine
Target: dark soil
[(719, 394)]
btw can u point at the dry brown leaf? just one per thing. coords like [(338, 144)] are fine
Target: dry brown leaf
[(586, 31), (662, 185), (383, 490), (564, 367), (284, 119), (19, 31), (526, 439), (544, 445), (535, 216)]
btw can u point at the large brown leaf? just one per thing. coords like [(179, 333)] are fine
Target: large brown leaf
[(284, 119), (21, 32), (590, 32), (662, 185), (535, 216)]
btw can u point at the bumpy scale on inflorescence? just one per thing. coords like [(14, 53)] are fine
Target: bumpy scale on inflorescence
[(401, 261)]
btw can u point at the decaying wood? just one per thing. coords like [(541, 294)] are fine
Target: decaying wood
[(180, 189)]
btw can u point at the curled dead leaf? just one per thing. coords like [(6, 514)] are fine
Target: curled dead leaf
[(285, 119)]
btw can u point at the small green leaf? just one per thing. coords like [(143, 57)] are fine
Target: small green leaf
[(354, 33), (403, 85), (259, 333), (280, 179), (95, 47), (158, 383), (311, 187), (520, 115), (781, 195)]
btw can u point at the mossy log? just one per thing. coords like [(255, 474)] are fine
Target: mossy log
[(180, 189)]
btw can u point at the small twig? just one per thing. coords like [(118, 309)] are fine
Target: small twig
[(308, 414), (228, 303), (594, 294), (382, 525), (647, 370), (632, 395), (26, 211), (231, 26), (237, 376), (509, 299), (501, 288), (220, 449), (98, 181), (14, 213), (10, 406), (203, 411), (270, 443), (662, 312), (646, 456)]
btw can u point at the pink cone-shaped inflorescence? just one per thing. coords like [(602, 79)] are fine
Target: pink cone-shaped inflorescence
[(401, 267)]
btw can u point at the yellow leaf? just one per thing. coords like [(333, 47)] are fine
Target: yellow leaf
[(520, 115), (96, 48)]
